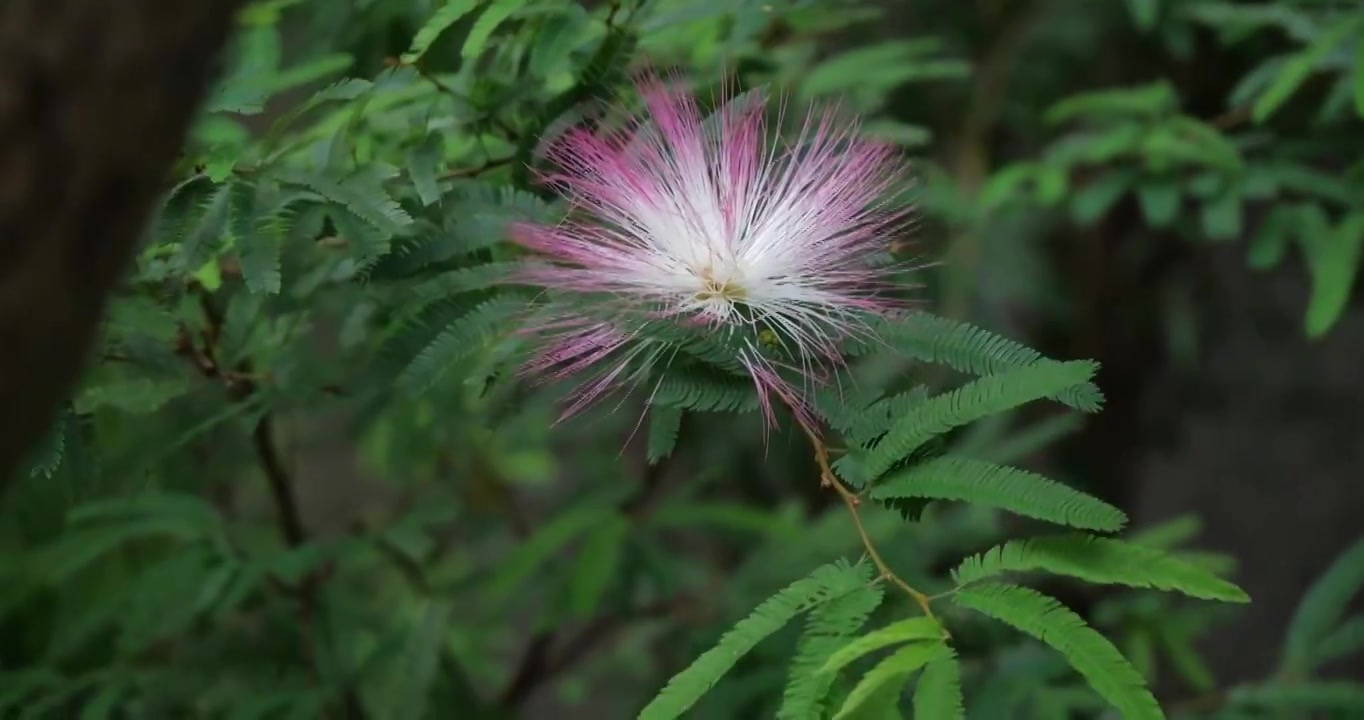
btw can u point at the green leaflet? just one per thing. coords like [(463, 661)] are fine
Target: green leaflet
[(828, 628), (422, 349), (438, 23), (969, 349), (664, 423), (486, 23), (1099, 560), (893, 670), (938, 692), (684, 689), (910, 629), (1018, 491), (980, 398), (1323, 606), (1346, 698), (1091, 654)]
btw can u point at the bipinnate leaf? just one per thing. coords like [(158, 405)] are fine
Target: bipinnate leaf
[(685, 688), (1099, 560), (1091, 654)]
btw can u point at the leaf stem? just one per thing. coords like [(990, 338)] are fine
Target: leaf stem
[(854, 503)]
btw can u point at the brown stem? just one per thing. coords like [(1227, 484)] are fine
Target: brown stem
[(476, 169), (853, 503), (241, 383), (281, 485)]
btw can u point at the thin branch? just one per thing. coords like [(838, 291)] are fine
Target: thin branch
[(530, 672), (281, 485), (853, 503), (548, 665), (477, 169), (241, 383)]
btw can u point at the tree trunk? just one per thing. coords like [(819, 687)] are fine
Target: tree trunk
[(95, 101)]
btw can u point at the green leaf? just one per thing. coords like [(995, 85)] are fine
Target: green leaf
[(1270, 244), (1294, 72), (47, 456), (895, 669), (549, 539), (262, 255), (422, 162), (706, 393), (1359, 79), (1333, 262), (1178, 646), (978, 399), (915, 628), (1097, 197), (881, 66), (558, 36), (472, 332), (202, 238), (1323, 606), (598, 564), (986, 484), (1150, 100), (664, 423), (1159, 202), (361, 194), (829, 627), (105, 701), (422, 649), (1099, 560), (439, 22), (1345, 698), (157, 608), (938, 693), (138, 395), (1222, 217), (486, 23), (969, 349), (250, 83), (1345, 641), (1091, 654), (684, 689), (1144, 13)]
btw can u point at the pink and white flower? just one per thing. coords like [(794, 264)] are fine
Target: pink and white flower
[(708, 222)]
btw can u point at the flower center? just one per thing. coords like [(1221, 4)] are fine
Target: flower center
[(719, 289)]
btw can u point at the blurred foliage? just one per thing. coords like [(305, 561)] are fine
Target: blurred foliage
[(321, 283)]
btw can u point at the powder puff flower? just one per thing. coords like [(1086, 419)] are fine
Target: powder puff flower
[(763, 247)]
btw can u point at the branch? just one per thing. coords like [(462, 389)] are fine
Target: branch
[(542, 665), (281, 485), (854, 503), (95, 102), (241, 383)]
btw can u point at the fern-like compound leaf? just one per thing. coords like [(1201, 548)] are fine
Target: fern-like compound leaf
[(908, 630), (664, 423), (1324, 605), (684, 689), (975, 400), (1099, 560), (972, 350), (890, 674), (828, 628), (999, 486), (1091, 654), (938, 692)]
